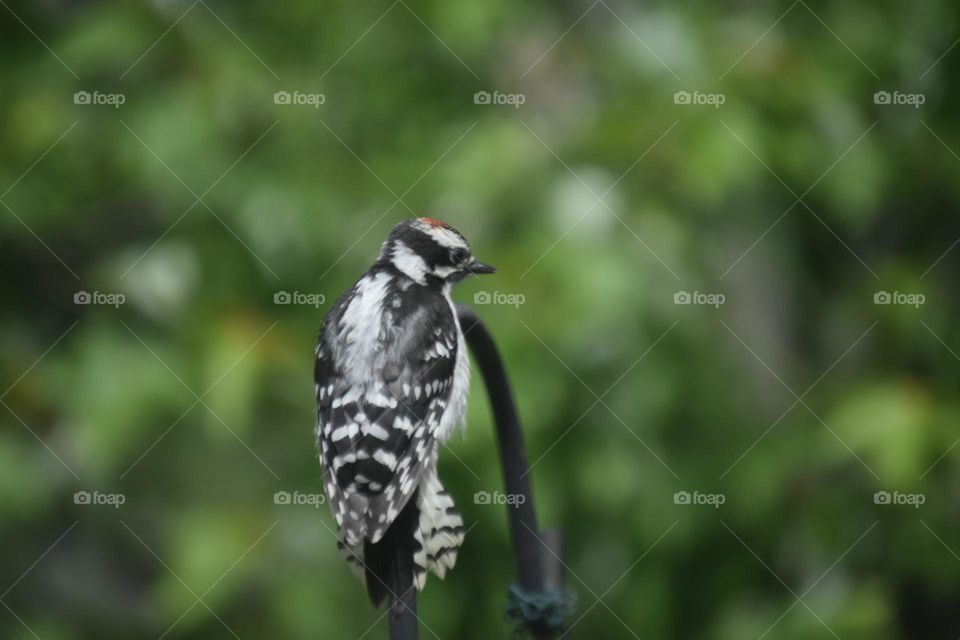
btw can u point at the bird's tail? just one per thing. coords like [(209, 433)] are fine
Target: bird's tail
[(439, 533), (388, 563), (424, 537)]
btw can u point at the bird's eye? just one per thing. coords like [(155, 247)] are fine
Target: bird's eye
[(458, 256)]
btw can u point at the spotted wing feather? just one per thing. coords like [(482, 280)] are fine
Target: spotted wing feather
[(378, 435)]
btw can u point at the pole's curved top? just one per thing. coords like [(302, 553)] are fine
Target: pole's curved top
[(538, 603)]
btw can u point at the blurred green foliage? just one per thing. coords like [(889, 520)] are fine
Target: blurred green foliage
[(199, 198)]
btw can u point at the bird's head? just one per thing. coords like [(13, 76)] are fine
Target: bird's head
[(429, 251)]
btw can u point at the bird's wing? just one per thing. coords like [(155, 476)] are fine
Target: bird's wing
[(377, 439)]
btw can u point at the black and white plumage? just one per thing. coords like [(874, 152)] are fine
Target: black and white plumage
[(392, 378)]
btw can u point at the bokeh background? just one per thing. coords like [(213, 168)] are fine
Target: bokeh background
[(149, 162)]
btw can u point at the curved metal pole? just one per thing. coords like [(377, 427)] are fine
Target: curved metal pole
[(537, 555), (513, 450)]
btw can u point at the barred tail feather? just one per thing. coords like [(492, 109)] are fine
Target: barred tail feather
[(424, 537), (439, 533)]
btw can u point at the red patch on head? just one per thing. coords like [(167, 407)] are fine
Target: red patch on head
[(433, 222)]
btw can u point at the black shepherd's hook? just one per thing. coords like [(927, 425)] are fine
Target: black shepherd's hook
[(538, 602)]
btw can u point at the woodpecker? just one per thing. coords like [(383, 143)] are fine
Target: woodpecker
[(392, 378)]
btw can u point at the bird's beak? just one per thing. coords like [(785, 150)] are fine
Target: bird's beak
[(478, 268)]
